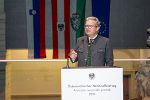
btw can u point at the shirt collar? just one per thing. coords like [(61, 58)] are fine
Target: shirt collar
[(93, 38)]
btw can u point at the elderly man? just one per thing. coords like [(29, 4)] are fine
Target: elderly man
[(92, 49)]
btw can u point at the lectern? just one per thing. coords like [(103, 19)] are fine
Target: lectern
[(100, 83)]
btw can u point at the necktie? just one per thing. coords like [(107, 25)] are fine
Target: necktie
[(91, 40)]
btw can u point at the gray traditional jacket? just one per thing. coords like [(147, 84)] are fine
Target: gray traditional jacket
[(101, 51)]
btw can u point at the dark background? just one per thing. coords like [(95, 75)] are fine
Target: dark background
[(129, 20)]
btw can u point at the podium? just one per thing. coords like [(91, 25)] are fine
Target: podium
[(100, 83)]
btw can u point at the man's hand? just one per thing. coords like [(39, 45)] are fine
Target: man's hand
[(73, 54)]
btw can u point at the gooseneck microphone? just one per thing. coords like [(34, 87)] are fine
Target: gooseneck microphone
[(67, 66)]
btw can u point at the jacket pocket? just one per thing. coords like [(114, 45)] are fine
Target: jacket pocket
[(101, 50), (100, 53)]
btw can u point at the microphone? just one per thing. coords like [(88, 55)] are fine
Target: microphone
[(67, 66)]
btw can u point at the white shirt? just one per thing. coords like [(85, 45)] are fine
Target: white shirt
[(93, 38)]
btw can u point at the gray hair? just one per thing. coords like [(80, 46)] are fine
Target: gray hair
[(95, 19)]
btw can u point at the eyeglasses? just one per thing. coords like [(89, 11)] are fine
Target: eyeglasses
[(89, 26)]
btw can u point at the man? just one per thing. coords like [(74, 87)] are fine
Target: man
[(92, 50)]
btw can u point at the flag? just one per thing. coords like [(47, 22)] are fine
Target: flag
[(36, 28), (56, 24), (101, 10)]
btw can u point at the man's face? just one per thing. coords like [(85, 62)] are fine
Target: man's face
[(90, 28)]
